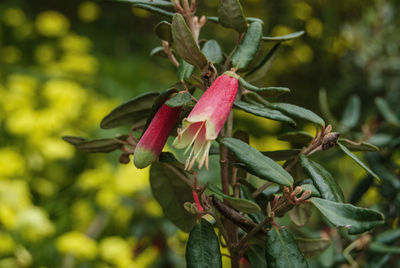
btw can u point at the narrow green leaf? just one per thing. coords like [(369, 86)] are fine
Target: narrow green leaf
[(184, 43), (300, 214), (388, 236), (248, 46), (171, 193), (351, 113), (136, 109), (358, 146), (157, 3), (180, 99), (257, 163), (356, 220), (154, 9), (280, 155), (323, 180), (202, 249), (99, 146), (73, 139), (212, 51), (185, 70), (264, 91), (265, 112), (358, 161), (386, 111), (297, 111), (283, 38), (256, 256), (231, 15), (298, 137), (261, 70), (312, 247), (159, 52), (163, 31), (382, 248), (239, 204), (282, 251)]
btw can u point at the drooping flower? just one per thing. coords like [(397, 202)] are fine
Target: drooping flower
[(206, 119), (153, 140)]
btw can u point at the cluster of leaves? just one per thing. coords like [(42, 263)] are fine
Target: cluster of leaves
[(260, 191)]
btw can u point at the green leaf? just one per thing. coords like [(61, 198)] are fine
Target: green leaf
[(248, 46), (257, 163), (283, 38), (323, 180), (280, 155), (358, 146), (282, 251), (231, 15), (73, 139), (297, 137), (356, 220), (261, 70), (163, 31), (171, 193), (386, 111), (324, 107), (264, 91), (351, 113), (256, 256), (157, 3), (311, 187), (239, 204), (154, 9), (132, 111), (312, 247), (388, 236), (297, 111), (265, 112), (182, 98), (358, 161), (184, 43), (185, 70), (159, 52), (99, 146), (382, 248), (202, 249), (300, 214), (212, 51)]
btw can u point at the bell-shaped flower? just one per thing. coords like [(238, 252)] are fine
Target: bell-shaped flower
[(206, 119), (153, 140)]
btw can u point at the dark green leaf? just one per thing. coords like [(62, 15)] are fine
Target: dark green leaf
[(297, 137), (361, 188), (282, 154), (300, 214), (155, 10), (388, 236), (202, 249), (157, 3), (324, 106), (351, 113), (248, 46), (158, 51), (239, 204), (283, 37), (261, 70), (312, 247), (282, 251), (256, 256), (356, 220), (358, 146), (73, 139), (264, 91), (184, 43), (265, 112), (231, 15), (212, 51), (132, 111), (382, 248), (171, 193), (358, 161), (386, 111), (163, 31), (185, 70), (182, 98), (297, 111), (257, 163), (99, 146), (323, 180)]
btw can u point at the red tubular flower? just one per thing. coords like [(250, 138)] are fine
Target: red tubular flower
[(206, 119), (153, 140)]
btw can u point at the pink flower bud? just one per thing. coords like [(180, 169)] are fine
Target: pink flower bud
[(153, 140), (206, 119)]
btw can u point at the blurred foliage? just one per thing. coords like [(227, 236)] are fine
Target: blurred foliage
[(64, 65)]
